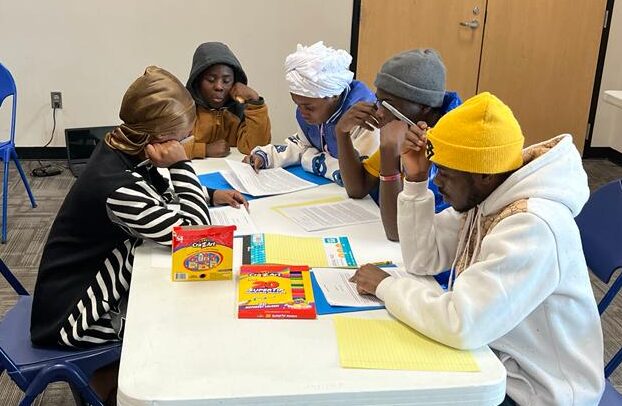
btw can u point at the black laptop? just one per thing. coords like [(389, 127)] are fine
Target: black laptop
[(80, 143)]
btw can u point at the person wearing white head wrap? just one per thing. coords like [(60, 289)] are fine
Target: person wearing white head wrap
[(318, 71), (321, 86)]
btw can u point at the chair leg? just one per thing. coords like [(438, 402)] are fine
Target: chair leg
[(62, 372), (24, 178), (5, 192)]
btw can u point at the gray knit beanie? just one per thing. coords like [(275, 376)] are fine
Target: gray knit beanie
[(417, 75)]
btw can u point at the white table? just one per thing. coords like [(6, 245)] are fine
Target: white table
[(614, 97), (184, 345)]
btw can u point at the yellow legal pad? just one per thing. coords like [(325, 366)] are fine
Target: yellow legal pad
[(389, 344)]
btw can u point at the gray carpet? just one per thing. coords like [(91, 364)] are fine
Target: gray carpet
[(28, 229)]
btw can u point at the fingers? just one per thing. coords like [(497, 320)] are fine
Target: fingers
[(257, 163)]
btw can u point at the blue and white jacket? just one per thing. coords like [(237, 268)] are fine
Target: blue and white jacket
[(317, 151)]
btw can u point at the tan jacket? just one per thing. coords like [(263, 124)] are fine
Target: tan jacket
[(214, 125)]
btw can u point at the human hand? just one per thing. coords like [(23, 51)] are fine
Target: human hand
[(242, 93), (362, 114), (254, 160), (217, 149), (392, 136), (165, 154), (229, 197), (415, 163), (367, 279)]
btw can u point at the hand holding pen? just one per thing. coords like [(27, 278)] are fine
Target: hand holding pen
[(254, 160)]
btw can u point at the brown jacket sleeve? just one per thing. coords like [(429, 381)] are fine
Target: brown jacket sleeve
[(255, 129)]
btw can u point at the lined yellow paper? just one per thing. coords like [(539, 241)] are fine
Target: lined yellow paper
[(389, 344), (287, 249)]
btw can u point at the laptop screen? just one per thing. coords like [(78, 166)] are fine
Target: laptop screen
[(81, 142)]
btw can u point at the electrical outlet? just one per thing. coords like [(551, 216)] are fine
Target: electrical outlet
[(57, 100)]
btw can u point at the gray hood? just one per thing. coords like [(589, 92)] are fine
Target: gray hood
[(206, 55)]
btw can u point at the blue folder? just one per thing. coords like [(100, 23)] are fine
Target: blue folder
[(323, 307), (215, 180)]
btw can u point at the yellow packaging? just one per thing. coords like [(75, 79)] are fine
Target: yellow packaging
[(202, 253)]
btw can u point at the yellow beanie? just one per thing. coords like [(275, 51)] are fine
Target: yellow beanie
[(480, 136)]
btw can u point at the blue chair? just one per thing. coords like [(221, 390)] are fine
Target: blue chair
[(7, 147), (600, 225), (33, 368)]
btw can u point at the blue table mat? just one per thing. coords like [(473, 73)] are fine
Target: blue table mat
[(214, 180), (323, 307)]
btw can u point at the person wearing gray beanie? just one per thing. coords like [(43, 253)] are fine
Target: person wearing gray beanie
[(410, 86), (417, 76)]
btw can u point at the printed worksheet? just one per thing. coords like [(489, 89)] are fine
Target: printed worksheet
[(313, 217), (227, 215), (339, 291), (266, 182)]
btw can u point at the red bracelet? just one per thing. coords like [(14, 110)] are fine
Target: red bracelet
[(391, 178)]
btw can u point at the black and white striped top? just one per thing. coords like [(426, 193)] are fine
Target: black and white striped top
[(89, 267)]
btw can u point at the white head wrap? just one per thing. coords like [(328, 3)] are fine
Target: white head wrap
[(318, 71)]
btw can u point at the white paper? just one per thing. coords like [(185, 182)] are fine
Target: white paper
[(227, 216), (328, 215), (273, 181), (233, 181), (339, 291)]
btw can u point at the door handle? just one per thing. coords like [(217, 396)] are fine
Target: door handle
[(473, 24)]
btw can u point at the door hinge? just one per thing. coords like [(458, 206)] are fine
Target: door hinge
[(587, 131), (606, 18)]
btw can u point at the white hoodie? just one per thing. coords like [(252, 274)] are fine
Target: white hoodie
[(524, 288)]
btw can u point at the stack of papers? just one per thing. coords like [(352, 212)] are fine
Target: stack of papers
[(323, 214), (267, 182), (339, 291), (227, 216)]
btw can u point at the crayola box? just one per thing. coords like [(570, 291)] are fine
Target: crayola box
[(202, 253)]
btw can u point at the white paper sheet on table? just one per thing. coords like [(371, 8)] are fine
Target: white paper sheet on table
[(228, 215), (322, 216), (267, 182), (233, 181), (339, 291)]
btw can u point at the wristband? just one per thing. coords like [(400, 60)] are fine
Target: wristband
[(391, 178)]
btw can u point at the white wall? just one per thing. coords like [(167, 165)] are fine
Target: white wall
[(608, 121), (92, 51)]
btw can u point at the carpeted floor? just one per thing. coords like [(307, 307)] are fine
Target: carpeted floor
[(28, 229)]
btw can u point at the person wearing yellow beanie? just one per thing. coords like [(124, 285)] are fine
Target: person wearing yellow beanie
[(519, 280), (118, 202)]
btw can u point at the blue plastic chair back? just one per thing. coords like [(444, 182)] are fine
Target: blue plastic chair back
[(33, 368), (7, 88), (7, 148), (600, 225)]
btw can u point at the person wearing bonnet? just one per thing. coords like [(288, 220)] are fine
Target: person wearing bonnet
[(322, 86), (117, 202)]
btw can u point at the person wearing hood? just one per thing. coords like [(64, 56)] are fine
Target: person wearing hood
[(321, 86), (520, 283), (229, 112)]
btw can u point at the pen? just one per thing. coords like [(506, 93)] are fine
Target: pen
[(397, 113), (143, 163)]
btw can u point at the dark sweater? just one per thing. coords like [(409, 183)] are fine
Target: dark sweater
[(87, 261)]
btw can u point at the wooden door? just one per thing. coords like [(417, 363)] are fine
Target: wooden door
[(391, 26), (540, 58)]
